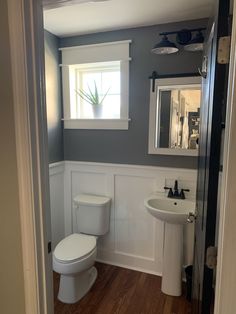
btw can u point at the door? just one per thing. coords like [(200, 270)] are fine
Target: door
[(214, 87)]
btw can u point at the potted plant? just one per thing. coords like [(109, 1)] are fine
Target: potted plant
[(93, 98)]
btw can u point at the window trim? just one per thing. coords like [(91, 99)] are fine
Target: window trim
[(69, 104), (97, 124)]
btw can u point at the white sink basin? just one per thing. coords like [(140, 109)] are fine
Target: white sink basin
[(175, 211)]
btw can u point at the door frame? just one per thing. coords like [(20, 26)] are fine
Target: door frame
[(27, 66), (226, 273), (32, 162)]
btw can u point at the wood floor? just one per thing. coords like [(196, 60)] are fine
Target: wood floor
[(123, 291)]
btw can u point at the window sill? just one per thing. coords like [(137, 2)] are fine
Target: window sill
[(97, 124)]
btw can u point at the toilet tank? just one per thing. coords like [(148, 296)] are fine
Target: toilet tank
[(92, 214)]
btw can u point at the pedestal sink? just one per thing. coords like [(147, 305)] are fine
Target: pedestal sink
[(175, 213)]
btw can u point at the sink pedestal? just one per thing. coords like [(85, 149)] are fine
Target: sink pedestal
[(172, 260), (174, 213)]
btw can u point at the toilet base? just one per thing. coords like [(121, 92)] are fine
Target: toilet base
[(73, 288)]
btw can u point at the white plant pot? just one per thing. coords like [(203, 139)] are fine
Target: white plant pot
[(97, 111)]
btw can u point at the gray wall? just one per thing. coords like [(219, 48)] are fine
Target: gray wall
[(53, 97), (131, 147)]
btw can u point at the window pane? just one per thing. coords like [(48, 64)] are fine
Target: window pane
[(111, 81), (106, 80), (89, 80), (111, 107)]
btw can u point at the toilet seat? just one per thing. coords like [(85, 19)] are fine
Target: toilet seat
[(74, 248)]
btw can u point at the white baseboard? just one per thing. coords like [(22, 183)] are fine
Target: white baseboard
[(143, 270)]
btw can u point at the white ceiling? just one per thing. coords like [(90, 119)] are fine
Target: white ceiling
[(95, 17)]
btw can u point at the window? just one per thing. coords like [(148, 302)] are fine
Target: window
[(99, 76), (106, 78)]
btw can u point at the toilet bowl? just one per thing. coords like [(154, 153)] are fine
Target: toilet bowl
[(74, 256)]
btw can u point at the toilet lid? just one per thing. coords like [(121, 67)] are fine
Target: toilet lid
[(74, 247)]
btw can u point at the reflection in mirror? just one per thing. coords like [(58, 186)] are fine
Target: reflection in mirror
[(175, 116), (179, 115)]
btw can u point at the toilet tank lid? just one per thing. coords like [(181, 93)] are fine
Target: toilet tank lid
[(94, 200)]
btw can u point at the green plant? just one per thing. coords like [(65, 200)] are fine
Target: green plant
[(92, 97)]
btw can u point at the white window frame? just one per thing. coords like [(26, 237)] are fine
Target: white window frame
[(74, 57)]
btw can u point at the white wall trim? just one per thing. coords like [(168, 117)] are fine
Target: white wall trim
[(66, 65), (52, 4), (131, 166), (102, 52), (150, 259), (97, 45), (56, 168), (97, 124), (30, 129), (143, 270)]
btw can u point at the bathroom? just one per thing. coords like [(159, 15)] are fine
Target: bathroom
[(120, 155)]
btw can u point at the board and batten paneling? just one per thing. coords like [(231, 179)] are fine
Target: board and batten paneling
[(135, 239), (56, 173)]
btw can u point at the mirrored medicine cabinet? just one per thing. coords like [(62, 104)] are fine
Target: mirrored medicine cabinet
[(174, 116)]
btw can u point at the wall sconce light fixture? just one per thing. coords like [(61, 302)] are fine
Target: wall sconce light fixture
[(165, 47), (184, 38), (196, 44)]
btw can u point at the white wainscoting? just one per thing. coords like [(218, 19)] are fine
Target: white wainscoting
[(56, 172), (135, 239)]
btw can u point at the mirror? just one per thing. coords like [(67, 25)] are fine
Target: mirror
[(175, 116)]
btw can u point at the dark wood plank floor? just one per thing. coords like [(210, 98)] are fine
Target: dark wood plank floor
[(122, 291)]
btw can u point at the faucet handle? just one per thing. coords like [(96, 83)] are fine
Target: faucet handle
[(182, 195), (170, 193)]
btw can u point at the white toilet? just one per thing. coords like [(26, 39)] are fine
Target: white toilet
[(74, 256)]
